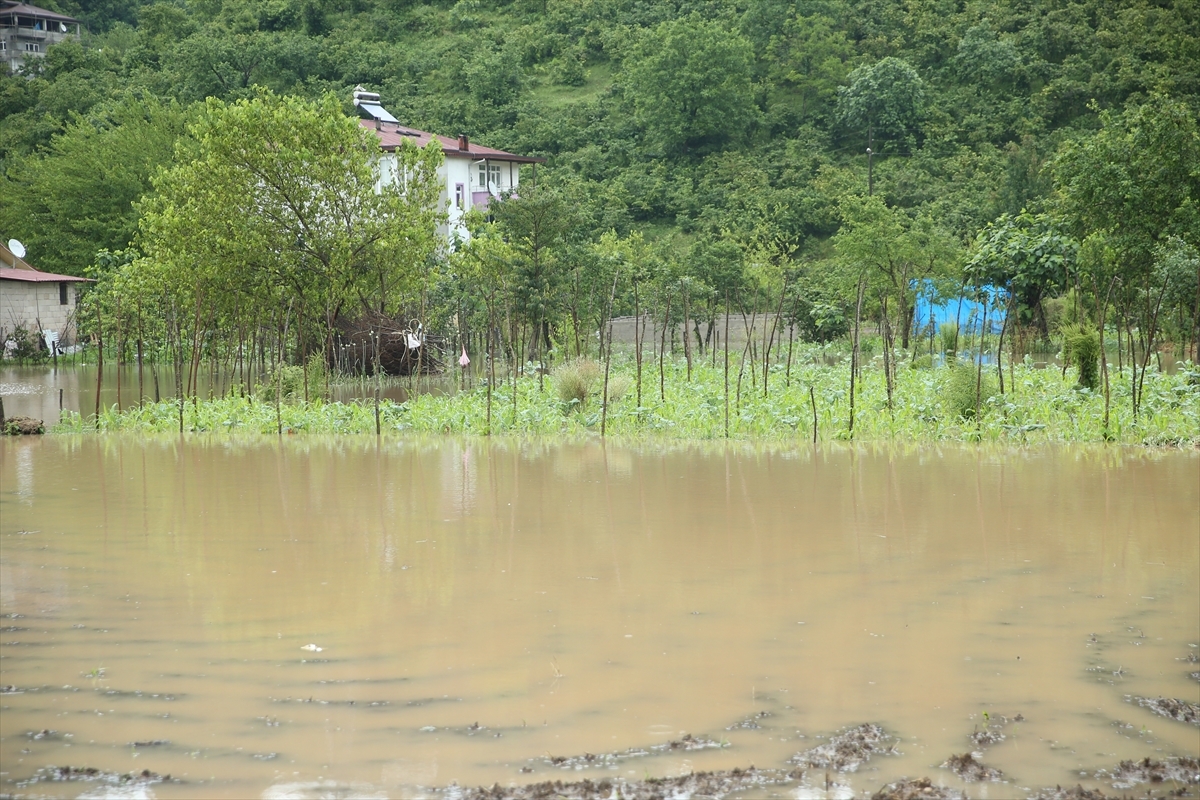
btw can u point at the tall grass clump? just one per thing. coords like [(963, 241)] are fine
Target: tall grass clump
[(948, 334), (1081, 347), (575, 381), (965, 389)]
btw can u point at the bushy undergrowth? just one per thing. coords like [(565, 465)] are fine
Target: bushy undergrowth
[(1038, 405)]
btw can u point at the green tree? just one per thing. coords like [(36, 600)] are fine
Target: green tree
[(690, 81), (78, 196), (280, 212), (1136, 184), (1030, 255), (886, 98)]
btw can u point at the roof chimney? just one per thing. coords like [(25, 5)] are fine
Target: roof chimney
[(464, 144)]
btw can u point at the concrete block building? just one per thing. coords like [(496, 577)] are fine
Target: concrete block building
[(26, 31), (42, 303)]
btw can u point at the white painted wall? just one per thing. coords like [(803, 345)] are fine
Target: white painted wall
[(454, 171)]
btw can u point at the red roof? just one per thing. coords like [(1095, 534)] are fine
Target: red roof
[(33, 276), (390, 137)]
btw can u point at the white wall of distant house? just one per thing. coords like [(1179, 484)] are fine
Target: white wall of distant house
[(463, 183)]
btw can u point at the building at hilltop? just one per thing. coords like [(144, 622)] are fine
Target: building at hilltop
[(26, 31), (471, 176)]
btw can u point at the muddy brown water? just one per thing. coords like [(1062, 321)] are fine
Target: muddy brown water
[(35, 391), (485, 608)]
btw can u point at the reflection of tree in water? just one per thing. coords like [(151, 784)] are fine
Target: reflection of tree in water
[(458, 473)]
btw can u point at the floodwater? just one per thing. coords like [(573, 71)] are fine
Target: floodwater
[(43, 392), (482, 608)]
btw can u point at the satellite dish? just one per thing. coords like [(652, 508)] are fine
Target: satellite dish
[(493, 191), (17, 248)]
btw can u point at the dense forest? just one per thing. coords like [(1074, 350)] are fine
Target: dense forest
[(821, 158)]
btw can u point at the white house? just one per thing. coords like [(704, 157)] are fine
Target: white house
[(471, 174)]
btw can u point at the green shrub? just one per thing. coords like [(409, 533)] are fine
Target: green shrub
[(922, 362), (959, 390), (29, 346)]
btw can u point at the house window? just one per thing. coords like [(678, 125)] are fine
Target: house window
[(62, 293), (489, 172), (460, 192), (32, 47)]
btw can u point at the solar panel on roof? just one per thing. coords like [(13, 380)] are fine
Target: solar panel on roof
[(378, 112)]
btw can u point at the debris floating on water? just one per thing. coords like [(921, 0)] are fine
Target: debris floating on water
[(312, 648)]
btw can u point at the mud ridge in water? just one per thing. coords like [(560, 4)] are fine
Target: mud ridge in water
[(344, 703), (993, 732), (917, 789), (848, 750), (1130, 773), (966, 767), (749, 723), (57, 774), (1178, 710), (1076, 793), (696, 785), (687, 743)]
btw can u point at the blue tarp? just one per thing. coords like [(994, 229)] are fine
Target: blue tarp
[(968, 313)]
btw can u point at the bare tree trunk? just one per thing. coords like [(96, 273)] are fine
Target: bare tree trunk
[(100, 360), (726, 363), (854, 350), (662, 349), (637, 341), (607, 361), (769, 341), (687, 336)]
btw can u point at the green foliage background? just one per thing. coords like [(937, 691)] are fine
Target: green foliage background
[(707, 120)]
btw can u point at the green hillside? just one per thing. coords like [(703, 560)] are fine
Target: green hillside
[(727, 138)]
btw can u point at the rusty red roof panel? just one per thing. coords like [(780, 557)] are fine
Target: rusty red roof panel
[(390, 137), (33, 276)]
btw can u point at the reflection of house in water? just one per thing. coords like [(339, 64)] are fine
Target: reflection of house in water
[(38, 302), (26, 31)]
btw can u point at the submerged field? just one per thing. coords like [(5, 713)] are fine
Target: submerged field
[(1038, 405)]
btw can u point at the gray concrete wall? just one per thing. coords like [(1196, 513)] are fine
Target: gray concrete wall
[(25, 303)]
